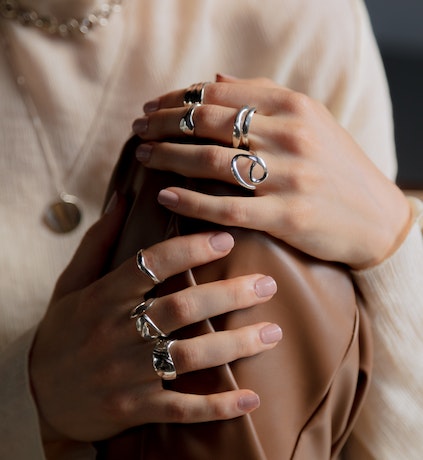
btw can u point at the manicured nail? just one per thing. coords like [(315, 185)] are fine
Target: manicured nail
[(140, 125), (270, 334), (248, 402), (222, 241), (111, 205), (143, 153), (265, 286), (151, 106), (167, 198)]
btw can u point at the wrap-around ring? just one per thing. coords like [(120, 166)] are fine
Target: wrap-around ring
[(144, 324), (255, 160), (241, 127), (141, 265), (186, 125), (195, 93), (162, 359)]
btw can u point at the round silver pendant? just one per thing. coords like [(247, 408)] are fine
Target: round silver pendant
[(63, 215)]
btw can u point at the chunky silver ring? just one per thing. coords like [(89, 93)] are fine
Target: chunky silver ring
[(195, 93), (238, 123), (186, 124), (244, 143), (144, 269), (144, 324), (162, 359), (255, 160)]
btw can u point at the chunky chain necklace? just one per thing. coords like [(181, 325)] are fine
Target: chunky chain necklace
[(10, 9)]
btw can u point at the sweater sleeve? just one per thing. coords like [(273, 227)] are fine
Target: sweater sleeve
[(19, 425), (391, 423)]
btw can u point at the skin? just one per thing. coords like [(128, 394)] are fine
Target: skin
[(323, 195), (92, 373)]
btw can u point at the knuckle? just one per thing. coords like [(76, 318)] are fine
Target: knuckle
[(234, 212), (219, 410), (117, 405), (180, 307), (178, 411), (298, 103), (213, 159), (186, 357)]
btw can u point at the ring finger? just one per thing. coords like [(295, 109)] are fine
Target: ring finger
[(194, 304)]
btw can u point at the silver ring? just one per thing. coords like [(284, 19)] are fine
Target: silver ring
[(162, 359), (255, 160), (237, 130), (244, 144), (144, 324), (186, 124), (195, 94), (144, 269)]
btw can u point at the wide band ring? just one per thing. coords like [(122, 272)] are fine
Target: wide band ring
[(195, 93), (186, 125), (241, 127), (162, 359), (144, 269), (144, 324), (255, 160)]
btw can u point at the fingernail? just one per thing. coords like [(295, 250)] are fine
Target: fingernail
[(223, 76), (140, 125), (167, 198), (151, 106), (271, 333), (111, 205), (265, 286), (222, 241), (143, 153), (248, 402)]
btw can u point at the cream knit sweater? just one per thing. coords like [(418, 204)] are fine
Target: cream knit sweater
[(88, 91)]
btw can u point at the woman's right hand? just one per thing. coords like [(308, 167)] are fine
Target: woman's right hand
[(92, 373)]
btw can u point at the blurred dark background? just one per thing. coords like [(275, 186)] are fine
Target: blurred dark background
[(398, 26)]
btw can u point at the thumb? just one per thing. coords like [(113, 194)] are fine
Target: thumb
[(89, 260)]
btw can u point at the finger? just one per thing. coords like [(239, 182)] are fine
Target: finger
[(172, 407), (268, 97), (218, 348), (93, 252), (198, 303), (246, 212), (127, 284)]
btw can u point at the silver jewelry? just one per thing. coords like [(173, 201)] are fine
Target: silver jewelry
[(63, 214), (241, 127), (186, 124), (195, 94), (244, 143), (162, 359), (255, 160), (144, 269), (144, 324), (10, 9)]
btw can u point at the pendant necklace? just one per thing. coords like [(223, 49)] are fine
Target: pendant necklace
[(64, 214)]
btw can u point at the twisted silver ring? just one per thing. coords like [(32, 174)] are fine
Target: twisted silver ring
[(144, 269), (195, 94), (144, 324), (162, 359), (255, 160), (241, 127), (186, 125)]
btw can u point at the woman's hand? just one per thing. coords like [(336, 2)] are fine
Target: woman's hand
[(323, 195), (92, 373)]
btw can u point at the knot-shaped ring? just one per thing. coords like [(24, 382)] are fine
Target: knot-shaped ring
[(146, 327), (255, 160)]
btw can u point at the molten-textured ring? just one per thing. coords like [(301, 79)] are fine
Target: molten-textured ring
[(195, 93), (144, 269), (162, 359), (186, 125), (255, 160), (144, 324)]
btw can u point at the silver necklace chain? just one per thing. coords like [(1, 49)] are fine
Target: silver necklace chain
[(10, 9)]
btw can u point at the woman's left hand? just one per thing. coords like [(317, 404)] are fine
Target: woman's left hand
[(323, 195)]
